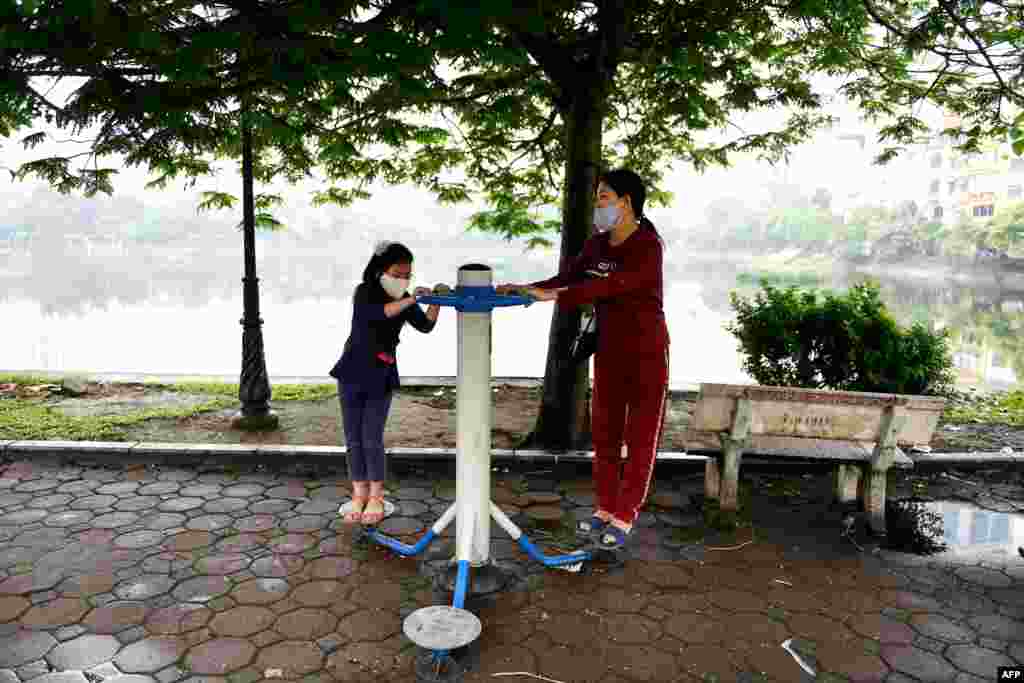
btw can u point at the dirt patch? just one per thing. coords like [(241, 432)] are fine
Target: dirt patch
[(419, 418)]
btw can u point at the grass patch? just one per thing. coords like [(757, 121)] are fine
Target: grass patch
[(1004, 407), (34, 420)]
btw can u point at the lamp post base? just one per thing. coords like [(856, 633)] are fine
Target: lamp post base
[(264, 422), (486, 579)]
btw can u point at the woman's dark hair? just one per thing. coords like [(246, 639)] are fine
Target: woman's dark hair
[(394, 253), (624, 182)]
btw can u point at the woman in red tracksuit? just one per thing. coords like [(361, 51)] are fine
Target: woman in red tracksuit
[(620, 271)]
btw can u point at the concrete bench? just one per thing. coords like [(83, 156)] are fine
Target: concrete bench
[(859, 432)]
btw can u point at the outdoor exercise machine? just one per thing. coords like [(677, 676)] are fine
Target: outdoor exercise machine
[(441, 628)]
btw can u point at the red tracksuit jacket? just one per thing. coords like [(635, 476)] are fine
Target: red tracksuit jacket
[(626, 290)]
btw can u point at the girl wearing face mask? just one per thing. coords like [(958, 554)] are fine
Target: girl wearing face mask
[(619, 270), (367, 372)]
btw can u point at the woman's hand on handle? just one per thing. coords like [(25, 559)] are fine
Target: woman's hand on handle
[(506, 288)]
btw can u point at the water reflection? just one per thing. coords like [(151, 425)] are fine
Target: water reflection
[(967, 529), (176, 305)]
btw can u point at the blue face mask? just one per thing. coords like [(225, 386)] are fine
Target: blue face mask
[(607, 217)]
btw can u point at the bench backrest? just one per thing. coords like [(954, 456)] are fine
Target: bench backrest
[(815, 414)]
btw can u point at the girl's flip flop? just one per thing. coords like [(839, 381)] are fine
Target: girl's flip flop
[(589, 527)]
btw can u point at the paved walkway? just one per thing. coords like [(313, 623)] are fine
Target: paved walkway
[(146, 573)]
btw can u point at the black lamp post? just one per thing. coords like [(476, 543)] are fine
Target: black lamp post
[(253, 385)]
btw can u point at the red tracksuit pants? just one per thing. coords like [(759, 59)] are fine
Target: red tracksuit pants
[(627, 415)]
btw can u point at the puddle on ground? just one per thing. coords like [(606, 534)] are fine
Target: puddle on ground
[(966, 529)]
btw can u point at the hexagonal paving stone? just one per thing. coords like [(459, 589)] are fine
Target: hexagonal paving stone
[(239, 543), (115, 617), (990, 578), (159, 521), (145, 586), (37, 485), (200, 491), (87, 584), (114, 520), (12, 607), (68, 518), (306, 523), (118, 488), (181, 504), (289, 491), (62, 677), (139, 539), (995, 626), (37, 580), (369, 625), (940, 628), (178, 619), (260, 591), (292, 544), (256, 523), (918, 663), (210, 522), (149, 655), (93, 502), (220, 656), (977, 660), (314, 507), (222, 505), (189, 540), (219, 565), (83, 652), (53, 500), (59, 612), (305, 624), (22, 517), (277, 565), (137, 503), (13, 499), (332, 567), (274, 506), (160, 488), (242, 621), (23, 647), (322, 593), (201, 589), (243, 491), (295, 658)]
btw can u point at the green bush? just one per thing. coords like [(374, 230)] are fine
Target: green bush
[(848, 342)]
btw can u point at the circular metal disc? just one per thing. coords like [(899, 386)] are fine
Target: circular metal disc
[(442, 627), (389, 508)]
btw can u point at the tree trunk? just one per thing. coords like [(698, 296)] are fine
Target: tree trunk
[(564, 419)]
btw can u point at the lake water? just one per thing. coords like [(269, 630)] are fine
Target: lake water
[(69, 306)]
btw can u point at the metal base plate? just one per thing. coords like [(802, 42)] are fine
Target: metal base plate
[(442, 627), (389, 508)]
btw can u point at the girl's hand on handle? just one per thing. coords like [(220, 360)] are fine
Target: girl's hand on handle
[(506, 288), (545, 294)]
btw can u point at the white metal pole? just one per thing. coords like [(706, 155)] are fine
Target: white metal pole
[(473, 427)]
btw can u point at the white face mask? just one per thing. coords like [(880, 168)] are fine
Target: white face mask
[(393, 285), (606, 218)]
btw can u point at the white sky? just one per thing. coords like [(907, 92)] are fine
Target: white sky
[(407, 204)]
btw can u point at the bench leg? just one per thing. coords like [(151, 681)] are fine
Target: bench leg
[(728, 498), (712, 478), (873, 498), (846, 480)]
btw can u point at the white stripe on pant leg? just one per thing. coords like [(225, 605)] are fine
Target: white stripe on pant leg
[(654, 447)]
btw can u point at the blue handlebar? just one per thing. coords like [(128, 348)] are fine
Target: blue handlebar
[(475, 299)]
